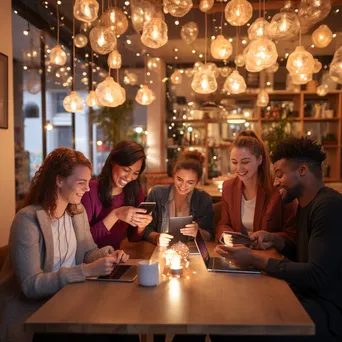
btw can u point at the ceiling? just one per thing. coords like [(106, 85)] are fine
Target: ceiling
[(44, 18)]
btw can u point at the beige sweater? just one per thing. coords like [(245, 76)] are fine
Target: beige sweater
[(27, 280)]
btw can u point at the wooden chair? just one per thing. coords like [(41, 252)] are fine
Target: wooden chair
[(3, 255)]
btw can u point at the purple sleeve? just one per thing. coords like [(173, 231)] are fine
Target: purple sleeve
[(98, 229)]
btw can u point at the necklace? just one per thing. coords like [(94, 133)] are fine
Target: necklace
[(59, 242)]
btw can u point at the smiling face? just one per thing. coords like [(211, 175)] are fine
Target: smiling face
[(185, 181), (244, 163), (122, 175), (288, 180), (72, 188)]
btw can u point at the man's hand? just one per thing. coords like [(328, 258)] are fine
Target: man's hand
[(262, 239), (241, 255)]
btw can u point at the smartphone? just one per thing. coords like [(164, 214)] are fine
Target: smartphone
[(237, 234), (149, 206), (238, 238)]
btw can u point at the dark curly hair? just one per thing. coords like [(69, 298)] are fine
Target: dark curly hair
[(125, 153), (301, 150), (190, 160), (43, 188), (248, 139)]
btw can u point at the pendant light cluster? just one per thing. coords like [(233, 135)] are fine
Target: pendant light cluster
[(149, 21)]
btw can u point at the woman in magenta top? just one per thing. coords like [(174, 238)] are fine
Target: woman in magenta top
[(112, 201)]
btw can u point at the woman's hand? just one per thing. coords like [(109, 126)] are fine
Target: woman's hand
[(143, 220), (190, 229), (100, 267), (163, 239), (129, 214), (119, 256)]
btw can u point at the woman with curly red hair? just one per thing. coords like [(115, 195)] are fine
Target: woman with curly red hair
[(50, 243)]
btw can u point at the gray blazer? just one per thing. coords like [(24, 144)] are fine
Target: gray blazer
[(27, 279)]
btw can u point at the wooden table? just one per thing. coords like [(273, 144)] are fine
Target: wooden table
[(199, 302)]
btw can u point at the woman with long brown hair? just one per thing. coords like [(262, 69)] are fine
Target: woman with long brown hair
[(249, 201), (112, 201), (50, 244)]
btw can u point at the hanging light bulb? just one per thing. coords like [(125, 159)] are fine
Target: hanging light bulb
[(225, 71), (300, 62), (141, 11), (189, 32), (317, 66), (73, 103), (80, 40), (102, 39), (86, 10), (301, 78), (58, 55), (221, 48), (235, 83), (204, 81), (33, 84), (322, 36), (114, 60), (322, 90), (177, 8), (206, 5), (284, 25), (154, 33), (153, 64), (116, 19), (335, 70), (263, 98), (262, 54), (109, 93), (123, 95), (91, 100), (145, 96), (312, 12), (258, 29), (238, 12), (240, 60), (176, 77)]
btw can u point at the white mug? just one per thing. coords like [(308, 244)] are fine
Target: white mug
[(148, 273)]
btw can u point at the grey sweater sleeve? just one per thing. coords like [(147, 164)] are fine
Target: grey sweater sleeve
[(27, 258), (324, 250)]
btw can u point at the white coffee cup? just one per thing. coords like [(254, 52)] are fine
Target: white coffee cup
[(148, 273)]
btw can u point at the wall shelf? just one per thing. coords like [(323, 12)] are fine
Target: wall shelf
[(300, 126)]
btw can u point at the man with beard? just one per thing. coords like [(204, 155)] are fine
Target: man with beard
[(316, 275)]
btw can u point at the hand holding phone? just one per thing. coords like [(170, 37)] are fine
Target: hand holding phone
[(148, 206)]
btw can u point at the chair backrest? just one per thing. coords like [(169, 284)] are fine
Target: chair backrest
[(3, 255), (217, 215)]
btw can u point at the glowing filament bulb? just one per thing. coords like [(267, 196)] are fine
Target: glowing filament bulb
[(204, 84), (87, 11), (109, 97), (101, 41)]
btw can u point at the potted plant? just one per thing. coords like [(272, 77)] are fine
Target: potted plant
[(114, 122)]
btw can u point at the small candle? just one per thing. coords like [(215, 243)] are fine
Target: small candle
[(176, 267)]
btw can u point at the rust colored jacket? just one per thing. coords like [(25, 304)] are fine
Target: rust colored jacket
[(271, 214)]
